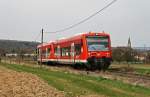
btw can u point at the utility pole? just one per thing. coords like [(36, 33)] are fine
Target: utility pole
[(41, 46), (42, 36)]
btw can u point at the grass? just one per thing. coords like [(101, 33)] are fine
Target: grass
[(142, 69), (76, 85)]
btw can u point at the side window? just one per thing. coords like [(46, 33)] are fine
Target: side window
[(44, 53), (78, 49), (58, 50), (65, 51), (48, 51), (55, 51)]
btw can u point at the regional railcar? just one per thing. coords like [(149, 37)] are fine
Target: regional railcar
[(91, 50)]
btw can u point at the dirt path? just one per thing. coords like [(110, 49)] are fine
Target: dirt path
[(16, 84)]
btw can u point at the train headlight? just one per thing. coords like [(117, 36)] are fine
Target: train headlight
[(98, 54), (82, 49), (108, 54)]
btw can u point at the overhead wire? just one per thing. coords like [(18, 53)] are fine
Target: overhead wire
[(84, 20)]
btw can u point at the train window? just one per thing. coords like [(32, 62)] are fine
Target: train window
[(55, 51), (58, 50), (62, 52), (43, 53), (98, 43), (78, 49), (48, 51), (65, 51)]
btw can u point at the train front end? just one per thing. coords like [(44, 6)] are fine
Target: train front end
[(99, 51)]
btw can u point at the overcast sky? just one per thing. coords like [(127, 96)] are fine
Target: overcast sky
[(23, 19)]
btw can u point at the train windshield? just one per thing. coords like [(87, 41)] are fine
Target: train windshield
[(98, 43)]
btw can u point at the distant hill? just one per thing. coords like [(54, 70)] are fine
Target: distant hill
[(15, 46)]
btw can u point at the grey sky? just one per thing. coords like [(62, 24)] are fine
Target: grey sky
[(23, 19)]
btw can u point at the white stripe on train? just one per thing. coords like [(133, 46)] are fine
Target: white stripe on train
[(64, 60)]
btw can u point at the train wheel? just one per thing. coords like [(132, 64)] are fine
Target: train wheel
[(94, 66), (88, 66), (103, 66), (76, 66), (99, 67), (38, 62), (106, 66)]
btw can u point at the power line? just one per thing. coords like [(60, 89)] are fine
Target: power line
[(84, 20)]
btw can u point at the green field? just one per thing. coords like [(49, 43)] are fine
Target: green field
[(75, 85)]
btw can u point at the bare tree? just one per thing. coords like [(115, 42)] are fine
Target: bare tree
[(118, 54)]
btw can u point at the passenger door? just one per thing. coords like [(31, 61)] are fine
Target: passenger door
[(58, 53)]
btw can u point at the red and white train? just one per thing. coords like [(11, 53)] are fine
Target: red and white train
[(91, 50)]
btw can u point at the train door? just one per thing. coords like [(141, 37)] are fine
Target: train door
[(72, 53), (58, 53), (46, 53), (38, 53)]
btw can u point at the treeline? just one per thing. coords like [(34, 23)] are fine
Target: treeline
[(120, 54), (14, 46), (129, 55)]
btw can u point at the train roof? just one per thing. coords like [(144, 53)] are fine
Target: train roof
[(80, 35), (77, 36)]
